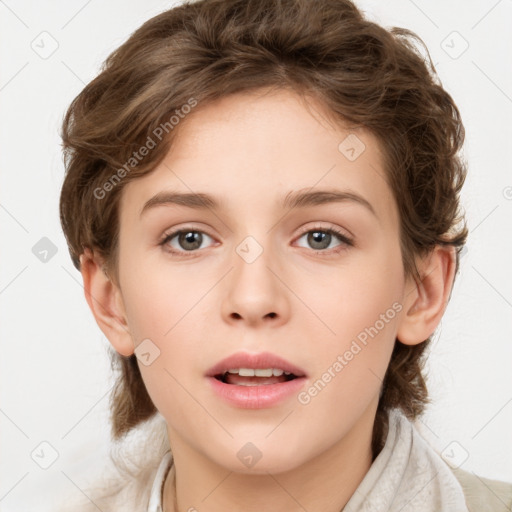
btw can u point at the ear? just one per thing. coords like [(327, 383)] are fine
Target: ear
[(426, 300), (106, 303)]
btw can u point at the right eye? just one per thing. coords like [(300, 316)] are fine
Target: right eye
[(184, 240)]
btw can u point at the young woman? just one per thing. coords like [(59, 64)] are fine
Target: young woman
[(262, 199)]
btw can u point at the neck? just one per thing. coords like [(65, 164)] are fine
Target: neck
[(324, 483)]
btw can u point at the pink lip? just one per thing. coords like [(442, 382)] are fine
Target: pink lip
[(256, 397)]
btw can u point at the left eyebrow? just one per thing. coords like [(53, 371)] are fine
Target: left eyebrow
[(307, 199), (202, 201)]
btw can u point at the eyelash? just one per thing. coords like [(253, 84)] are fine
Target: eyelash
[(344, 239)]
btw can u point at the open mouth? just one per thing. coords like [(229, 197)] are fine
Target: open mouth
[(270, 382), (250, 377)]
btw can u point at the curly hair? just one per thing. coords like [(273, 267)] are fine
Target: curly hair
[(367, 76)]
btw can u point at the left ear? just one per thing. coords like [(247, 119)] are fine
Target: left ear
[(426, 300)]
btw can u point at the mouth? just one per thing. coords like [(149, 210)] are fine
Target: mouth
[(255, 381), (255, 376), (246, 369)]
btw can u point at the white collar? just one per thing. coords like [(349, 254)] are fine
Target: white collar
[(156, 496), (407, 475)]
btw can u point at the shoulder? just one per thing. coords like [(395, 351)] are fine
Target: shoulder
[(128, 493), (127, 484), (484, 494)]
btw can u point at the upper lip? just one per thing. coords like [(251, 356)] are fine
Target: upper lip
[(260, 360)]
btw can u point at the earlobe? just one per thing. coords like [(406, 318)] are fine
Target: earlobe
[(426, 300), (106, 303)]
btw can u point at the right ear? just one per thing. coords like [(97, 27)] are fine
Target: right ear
[(106, 302)]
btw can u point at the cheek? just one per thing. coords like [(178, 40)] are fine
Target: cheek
[(158, 298), (164, 305), (345, 300), (360, 305), (350, 365), (350, 368)]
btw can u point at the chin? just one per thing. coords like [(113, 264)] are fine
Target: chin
[(249, 460)]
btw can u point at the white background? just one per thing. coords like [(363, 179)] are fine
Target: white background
[(54, 366)]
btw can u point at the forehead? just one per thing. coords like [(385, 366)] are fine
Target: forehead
[(255, 148)]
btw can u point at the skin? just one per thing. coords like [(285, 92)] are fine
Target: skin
[(302, 303)]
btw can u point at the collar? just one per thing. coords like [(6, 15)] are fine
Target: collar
[(407, 475), (156, 496)]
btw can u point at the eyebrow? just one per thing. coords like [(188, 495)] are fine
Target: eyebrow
[(299, 199)]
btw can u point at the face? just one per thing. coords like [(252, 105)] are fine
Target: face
[(316, 282)]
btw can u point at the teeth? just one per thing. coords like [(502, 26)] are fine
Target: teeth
[(263, 373), (258, 372)]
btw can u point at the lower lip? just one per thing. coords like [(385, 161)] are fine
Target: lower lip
[(257, 397)]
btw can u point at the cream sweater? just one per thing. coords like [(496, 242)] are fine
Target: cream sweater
[(407, 475)]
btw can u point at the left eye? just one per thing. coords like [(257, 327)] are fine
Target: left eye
[(320, 239)]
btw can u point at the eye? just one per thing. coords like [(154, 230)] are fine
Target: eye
[(184, 240), (320, 239)]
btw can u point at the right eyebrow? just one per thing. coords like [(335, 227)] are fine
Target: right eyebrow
[(198, 201)]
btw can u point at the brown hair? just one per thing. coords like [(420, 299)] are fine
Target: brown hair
[(197, 52)]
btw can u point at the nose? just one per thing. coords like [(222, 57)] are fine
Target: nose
[(255, 293)]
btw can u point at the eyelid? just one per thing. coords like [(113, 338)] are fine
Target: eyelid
[(176, 230), (333, 228)]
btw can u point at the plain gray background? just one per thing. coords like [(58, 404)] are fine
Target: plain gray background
[(54, 366)]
